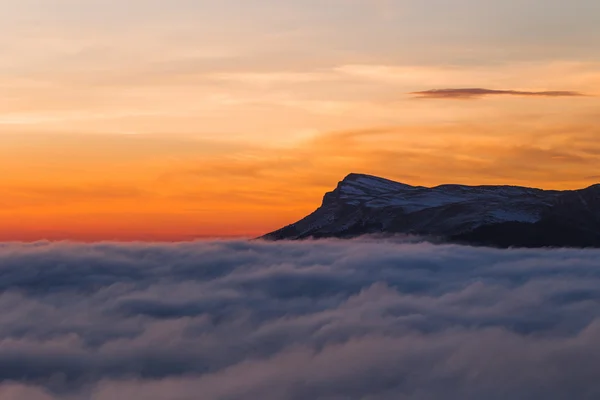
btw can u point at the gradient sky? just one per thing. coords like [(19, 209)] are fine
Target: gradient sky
[(149, 119)]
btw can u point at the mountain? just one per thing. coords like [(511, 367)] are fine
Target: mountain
[(501, 216)]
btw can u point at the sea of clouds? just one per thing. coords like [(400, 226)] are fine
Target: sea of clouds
[(360, 319)]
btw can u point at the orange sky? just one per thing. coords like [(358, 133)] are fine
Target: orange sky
[(168, 122)]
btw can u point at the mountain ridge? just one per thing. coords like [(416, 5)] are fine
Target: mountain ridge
[(491, 215)]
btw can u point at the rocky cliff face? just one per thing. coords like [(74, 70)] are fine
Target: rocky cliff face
[(485, 215)]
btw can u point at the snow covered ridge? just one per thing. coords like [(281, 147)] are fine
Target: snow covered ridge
[(488, 215)]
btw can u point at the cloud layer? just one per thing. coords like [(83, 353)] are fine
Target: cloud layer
[(471, 93), (313, 320)]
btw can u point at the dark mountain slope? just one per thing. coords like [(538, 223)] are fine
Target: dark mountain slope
[(484, 215)]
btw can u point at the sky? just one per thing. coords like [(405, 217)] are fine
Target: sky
[(154, 120)]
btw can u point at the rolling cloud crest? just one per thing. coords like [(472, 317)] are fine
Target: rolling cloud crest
[(357, 319)]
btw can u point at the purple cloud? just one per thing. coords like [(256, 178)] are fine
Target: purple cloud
[(472, 93), (297, 320)]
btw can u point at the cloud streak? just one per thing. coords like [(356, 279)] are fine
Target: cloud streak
[(474, 93), (333, 319)]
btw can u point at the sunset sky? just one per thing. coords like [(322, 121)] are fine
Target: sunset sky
[(169, 120)]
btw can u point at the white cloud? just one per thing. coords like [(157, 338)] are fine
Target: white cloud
[(356, 319)]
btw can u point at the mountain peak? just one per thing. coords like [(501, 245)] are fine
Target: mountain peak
[(365, 180), (359, 185), (493, 215), (353, 177)]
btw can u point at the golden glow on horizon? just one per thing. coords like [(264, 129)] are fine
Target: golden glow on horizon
[(136, 126)]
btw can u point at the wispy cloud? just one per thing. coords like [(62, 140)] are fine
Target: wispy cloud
[(470, 93)]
